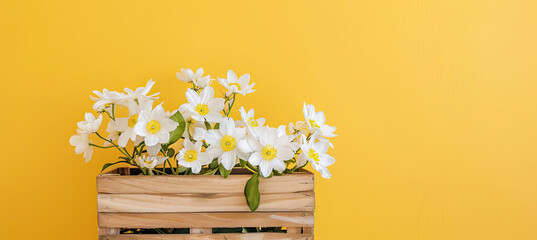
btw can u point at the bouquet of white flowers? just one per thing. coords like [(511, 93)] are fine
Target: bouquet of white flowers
[(211, 142)]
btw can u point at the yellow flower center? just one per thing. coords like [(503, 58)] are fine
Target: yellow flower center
[(153, 126), (133, 120), (228, 143), (252, 122), (313, 155), (269, 152), (236, 84), (191, 155), (314, 124), (202, 109)]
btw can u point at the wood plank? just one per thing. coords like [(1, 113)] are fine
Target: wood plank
[(109, 183), (206, 220), (307, 230), (294, 230), (222, 236), (274, 202), (201, 231), (108, 231)]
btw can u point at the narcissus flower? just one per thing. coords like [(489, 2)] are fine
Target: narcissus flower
[(203, 107), (192, 157), (106, 99), (316, 121), (187, 75), (150, 161), (224, 143), (270, 151), (81, 142), (249, 120), (140, 94), (126, 125), (90, 124), (315, 153), (237, 85), (154, 126)]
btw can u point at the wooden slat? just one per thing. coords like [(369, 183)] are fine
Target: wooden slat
[(301, 201), (110, 183), (307, 230), (201, 231), (206, 220), (222, 236), (294, 230), (108, 231)]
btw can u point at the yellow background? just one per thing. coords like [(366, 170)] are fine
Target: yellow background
[(434, 102)]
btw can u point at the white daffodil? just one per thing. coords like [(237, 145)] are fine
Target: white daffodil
[(249, 120), (187, 75), (90, 123), (203, 107), (271, 151), (81, 142), (150, 161), (113, 133), (192, 157), (140, 94), (154, 126), (225, 143), (298, 128), (126, 125), (203, 82), (315, 153), (316, 122), (192, 125), (237, 85), (106, 99)]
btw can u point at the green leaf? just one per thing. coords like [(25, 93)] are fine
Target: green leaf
[(171, 152), (110, 164), (217, 126), (223, 171), (214, 164), (179, 130), (182, 169), (243, 163), (251, 192), (207, 125)]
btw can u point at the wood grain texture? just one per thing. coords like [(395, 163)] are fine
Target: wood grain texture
[(113, 183), (301, 201), (223, 236), (206, 220)]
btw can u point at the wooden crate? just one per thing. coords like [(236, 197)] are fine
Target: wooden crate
[(201, 203)]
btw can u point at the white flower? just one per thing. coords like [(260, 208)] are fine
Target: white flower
[(81, 143), (193, 124), (113, 133), (90, 124), (203, 106), (315, 153), (249, 119), (270, 151), (316, 121), (106, 99), (140, 94), (237, 85), (150, 161), (154, 126), (298, 128), (126, 125), (191, 156), (203, 82), (225, 143), (187, 75)]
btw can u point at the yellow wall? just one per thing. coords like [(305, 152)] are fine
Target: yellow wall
[(434, 102)]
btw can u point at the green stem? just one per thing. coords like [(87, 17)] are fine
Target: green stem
[(91, 144), (231, 105)]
